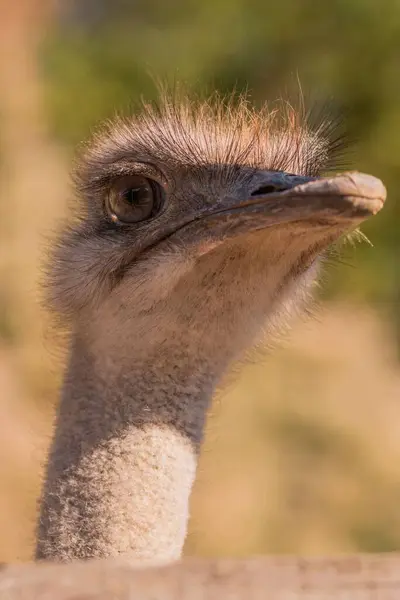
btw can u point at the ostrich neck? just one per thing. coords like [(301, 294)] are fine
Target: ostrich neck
[(134, 404), (124, 455)]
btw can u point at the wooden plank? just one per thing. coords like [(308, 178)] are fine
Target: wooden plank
[(358, 577)]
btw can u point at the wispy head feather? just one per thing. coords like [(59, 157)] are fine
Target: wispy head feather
[(185, 131)]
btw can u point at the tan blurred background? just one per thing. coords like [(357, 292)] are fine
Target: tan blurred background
[(303, 451)]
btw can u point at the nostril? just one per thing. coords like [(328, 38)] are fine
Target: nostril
[(266, 189)]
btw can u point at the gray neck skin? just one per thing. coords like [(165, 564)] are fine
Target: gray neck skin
[(133, 409)]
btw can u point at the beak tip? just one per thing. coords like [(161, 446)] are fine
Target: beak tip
[(366, 185), (357, 194)]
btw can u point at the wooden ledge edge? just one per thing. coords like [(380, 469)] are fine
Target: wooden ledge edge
[(353, 577)]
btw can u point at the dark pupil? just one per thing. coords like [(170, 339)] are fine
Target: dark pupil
[(134, 195), (138, 196)]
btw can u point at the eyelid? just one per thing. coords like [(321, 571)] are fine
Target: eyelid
[(146, 169)]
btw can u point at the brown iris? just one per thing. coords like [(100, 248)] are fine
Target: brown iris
[(133, 198)]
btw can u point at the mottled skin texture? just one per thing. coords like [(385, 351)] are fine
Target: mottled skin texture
[(158, 310)]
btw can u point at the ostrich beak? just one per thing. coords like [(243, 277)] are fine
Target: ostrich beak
[(328, 207), (344, 199)]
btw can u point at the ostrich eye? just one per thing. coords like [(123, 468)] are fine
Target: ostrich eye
[(133, 198)]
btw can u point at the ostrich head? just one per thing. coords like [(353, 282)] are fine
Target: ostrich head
[(204, 218)]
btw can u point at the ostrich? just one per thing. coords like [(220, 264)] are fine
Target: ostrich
[(200, 229)]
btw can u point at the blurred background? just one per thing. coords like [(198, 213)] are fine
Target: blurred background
[(302, 454)]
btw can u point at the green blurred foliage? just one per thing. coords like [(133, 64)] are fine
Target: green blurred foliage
[(102, 54)]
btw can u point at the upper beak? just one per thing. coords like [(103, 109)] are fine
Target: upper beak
[(349, 197)]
